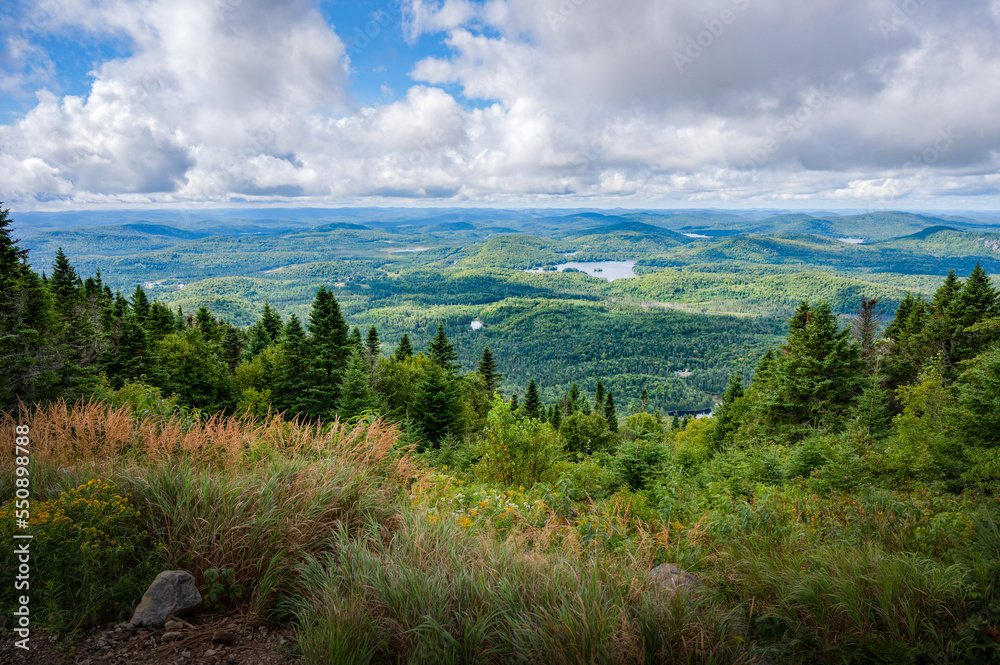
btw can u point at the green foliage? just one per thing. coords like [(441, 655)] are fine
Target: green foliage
[(585, 433), (639, 463), (437, 404), (516, 451), (221, 590), (189, 367), (693, 444), (91, 557)]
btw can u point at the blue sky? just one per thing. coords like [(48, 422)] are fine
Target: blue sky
[(864, 104)]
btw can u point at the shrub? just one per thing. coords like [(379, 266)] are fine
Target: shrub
[(515, 451), (91, 554)]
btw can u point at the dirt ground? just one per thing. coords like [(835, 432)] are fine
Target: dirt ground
[(231, 639)]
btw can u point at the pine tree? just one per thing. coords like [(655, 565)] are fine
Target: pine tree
[(357, 394), (532, 407), (292, 385), (330, 350), (354, 340), (29, 359), (271, 322), (437, 405), (372, 343), (140, 305), (128, 356), (442, 352), (975, 302), (207, 324), (946, 293), (610, 413), (488, 370), (405, 349), (865, 327), (160, 321), (514, 406), (233, 342), (574, 399), (724, 416), (64, 281), (599, 398), (557, 416)]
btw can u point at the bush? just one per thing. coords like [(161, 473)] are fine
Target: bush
[(91, 553), (516, 452), (637, 463)]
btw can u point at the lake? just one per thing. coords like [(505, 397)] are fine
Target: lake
[(609, 270)]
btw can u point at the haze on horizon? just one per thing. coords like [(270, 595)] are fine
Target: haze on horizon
[(866, 104)]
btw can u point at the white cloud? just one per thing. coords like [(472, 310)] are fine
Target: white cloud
[(753, 100)]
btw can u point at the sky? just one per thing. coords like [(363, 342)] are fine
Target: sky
[(863, 104)]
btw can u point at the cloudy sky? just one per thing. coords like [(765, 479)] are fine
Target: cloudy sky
[(826, 103)]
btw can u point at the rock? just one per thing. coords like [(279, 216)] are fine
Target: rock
[(173, 625), (223, 637), (170, 637), (210, 652), (172, 592), (672, 577), (185, 654)]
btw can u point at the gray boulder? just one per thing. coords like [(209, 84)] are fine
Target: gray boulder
[(672, 577), (173, 592)]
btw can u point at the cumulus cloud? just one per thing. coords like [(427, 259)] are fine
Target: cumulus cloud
[(561, 100)]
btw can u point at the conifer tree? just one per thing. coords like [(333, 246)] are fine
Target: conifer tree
[(599, 398), (442, 352), (574, 399), (207, 324), (437, 405), (330, 349), (28, 355), (64, 281), (160, 322), (372, 343), (140, 305), (233, 343), (557, 416), (354, 340), (532, 407), (611, 413), (976, 301), (291, 389), (945, 294), (865, 327), (514, 405), (257, 341), (644, 400), (405, 349), (127, 356), (357, 394), (271, 323), (78, 345), (725, 419), (488, 370)]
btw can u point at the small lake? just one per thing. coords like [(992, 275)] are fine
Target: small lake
[(609, 270)]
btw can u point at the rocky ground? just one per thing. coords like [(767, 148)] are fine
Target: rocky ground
[(208, 638)]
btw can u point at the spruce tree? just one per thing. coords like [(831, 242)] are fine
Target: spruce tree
[(357, 395), (488, 370), (442, 352), (945, 294), (29, 358), (599, 398), (208, 325), (160, 321), (271, 322), (611, 413), (330, 350), (354, 340), (532, 407), (292, 385), (514, 405), (405, 349), (644, 400), (64, 281), (372, 343), (436, 405), (140, 305), (128, 356), (725, 420), (233, 343)]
